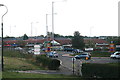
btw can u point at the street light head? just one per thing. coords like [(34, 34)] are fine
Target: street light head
[(1, 5), (65, 0)]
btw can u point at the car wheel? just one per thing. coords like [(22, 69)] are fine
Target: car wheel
[(113, 57)]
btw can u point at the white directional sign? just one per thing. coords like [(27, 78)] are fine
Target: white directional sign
[(36, 49), (74, 59)]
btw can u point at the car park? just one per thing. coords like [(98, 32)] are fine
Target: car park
[(52, 54), (31, 51), (18, 48), (84, 55), (115, 55), (69, 49), (77, 51), (44, 49)]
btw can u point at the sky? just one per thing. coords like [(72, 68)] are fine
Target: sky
[(89, 17)]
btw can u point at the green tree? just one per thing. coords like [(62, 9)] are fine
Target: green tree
[(69, 36), (77, 41), (117, 41), (25, 37)]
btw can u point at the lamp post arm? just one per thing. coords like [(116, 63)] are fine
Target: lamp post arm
[(4, 13), (2, 63)]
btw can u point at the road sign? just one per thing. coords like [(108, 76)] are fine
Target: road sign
[(36, 49), (74, 59)]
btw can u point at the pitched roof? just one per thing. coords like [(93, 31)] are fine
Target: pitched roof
[(62, 41), (100, 41)]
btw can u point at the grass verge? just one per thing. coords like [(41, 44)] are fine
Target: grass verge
[(34, 75), (96, 54)]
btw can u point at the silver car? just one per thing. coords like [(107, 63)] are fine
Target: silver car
[(84, 55), (52, 54), (115, 55)]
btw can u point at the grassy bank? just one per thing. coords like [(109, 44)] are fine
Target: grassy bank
[(19, 64), (15, 60), (96, 54), (100, 54)]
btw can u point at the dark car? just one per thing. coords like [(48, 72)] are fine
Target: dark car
[(69, 49), (84, 55), (78, 51)]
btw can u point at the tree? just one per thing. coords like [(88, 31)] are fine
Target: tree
[(69, 36), (117, 41), (25, 37), (77, 41)]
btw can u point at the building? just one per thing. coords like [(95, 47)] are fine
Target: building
[(57, 42)]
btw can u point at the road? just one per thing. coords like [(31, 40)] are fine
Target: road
[(68, 63)]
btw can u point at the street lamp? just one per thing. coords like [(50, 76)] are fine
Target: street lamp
[(32, 27), (47, 25), (2, 34), (53, 19)]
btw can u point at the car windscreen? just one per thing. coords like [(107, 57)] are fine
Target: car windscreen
[(118, 54), (83, 54)]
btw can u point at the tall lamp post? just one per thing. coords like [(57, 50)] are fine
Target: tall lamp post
[(2, 35), (53, 21)]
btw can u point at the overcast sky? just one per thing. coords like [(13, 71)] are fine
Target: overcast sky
[(89, 17)]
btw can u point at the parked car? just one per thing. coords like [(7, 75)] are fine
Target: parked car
[(77, 51), (52, 54), (31, 51), (44, 49), (83, 56), (115, 55), (18, 48), (69, 49)]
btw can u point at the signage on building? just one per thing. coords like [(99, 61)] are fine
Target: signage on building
[(112, 48)]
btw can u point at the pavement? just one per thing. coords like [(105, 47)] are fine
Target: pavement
[(62, 70)]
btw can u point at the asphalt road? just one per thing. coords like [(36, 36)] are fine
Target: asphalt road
[(67, 62)]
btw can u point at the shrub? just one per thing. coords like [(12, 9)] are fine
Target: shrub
[(42, 60), (54, 64), (110, 70), (51, 64)]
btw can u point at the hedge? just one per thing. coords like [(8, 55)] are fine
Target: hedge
[(110, 70), (52, 64)]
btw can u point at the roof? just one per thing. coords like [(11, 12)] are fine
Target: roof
[(62, 41), (99, 41)]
